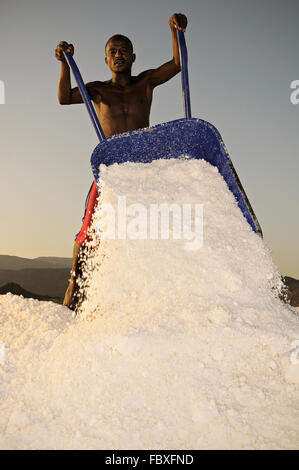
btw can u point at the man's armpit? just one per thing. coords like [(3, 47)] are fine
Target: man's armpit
[(93, 89), (76, 97), (146, 75)]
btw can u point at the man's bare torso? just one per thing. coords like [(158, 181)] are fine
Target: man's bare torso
[(121, 109)]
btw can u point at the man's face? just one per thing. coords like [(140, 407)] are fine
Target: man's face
[(119, 56)]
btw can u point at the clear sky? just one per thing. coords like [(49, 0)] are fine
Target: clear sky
[(243, 57)]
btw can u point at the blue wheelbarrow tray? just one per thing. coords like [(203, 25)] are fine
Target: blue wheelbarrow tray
[(185, 138)]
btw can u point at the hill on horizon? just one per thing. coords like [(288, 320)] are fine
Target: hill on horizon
[(50, 281), (42, 262), (293, 290), (16, 289)]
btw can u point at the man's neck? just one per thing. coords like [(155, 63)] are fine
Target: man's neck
[(121, 79)]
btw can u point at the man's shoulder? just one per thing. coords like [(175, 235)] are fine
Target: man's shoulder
[(145, 74), (96, 84), (96, 88)]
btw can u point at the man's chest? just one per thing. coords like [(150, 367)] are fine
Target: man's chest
[(137, 94)]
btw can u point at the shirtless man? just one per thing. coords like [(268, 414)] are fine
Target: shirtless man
[(122, 104)]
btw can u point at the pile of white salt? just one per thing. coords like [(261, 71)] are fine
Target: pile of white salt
[(173, 347)]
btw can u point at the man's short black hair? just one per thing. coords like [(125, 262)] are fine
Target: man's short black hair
[(122, 37)]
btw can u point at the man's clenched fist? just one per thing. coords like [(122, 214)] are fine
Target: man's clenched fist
[(178, 21), (63, 46)]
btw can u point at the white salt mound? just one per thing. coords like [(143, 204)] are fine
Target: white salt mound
[(172, 348)]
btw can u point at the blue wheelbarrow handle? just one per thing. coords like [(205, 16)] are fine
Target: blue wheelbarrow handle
[(89, 105), (85, 96), (185, 77)]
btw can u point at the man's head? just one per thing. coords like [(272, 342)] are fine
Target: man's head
[(119, 53)]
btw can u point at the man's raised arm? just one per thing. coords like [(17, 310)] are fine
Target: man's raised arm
[(66, 94), (170, 69)]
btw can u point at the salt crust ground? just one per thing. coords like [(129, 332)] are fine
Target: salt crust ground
[(172, 349)]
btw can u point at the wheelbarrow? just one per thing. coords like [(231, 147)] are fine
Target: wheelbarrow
[(183, 138)]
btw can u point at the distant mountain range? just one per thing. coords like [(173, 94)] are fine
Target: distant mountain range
[(46, 278), (43, 278), (43, 262)]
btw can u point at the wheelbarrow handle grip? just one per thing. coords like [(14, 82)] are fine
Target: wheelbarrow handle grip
[(85, 96), (185, 77)]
